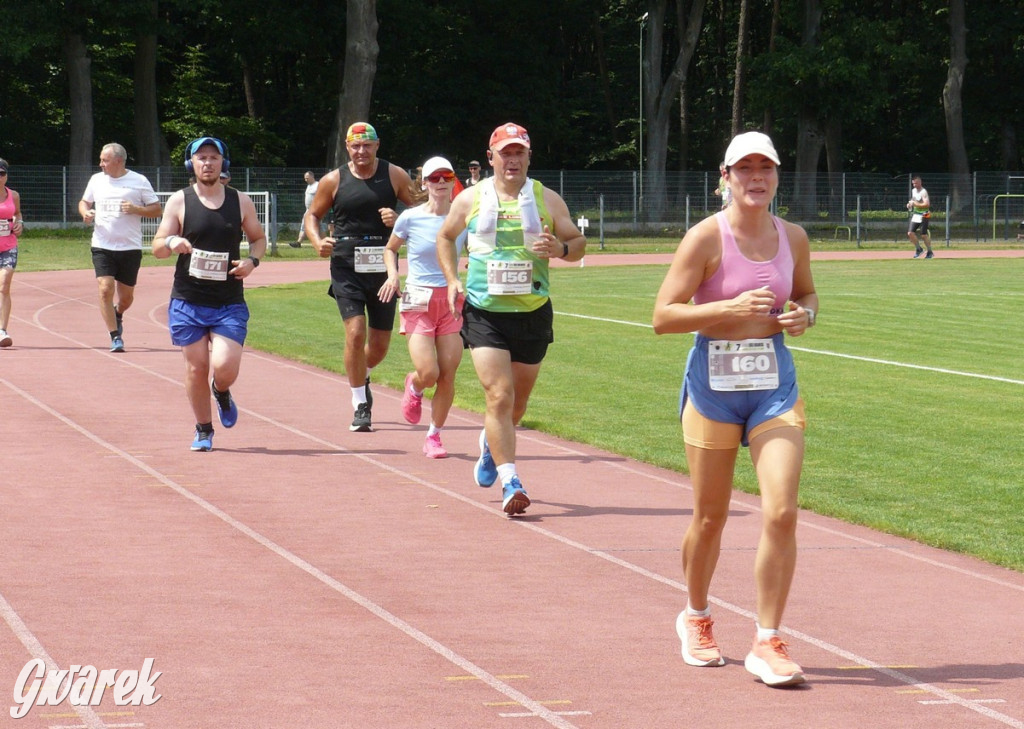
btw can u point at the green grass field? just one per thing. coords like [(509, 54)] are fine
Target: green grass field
[(912, 379)]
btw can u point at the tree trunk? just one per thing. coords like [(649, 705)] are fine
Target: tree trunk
[(611, 118), (249, 88), (361, 52), (659, 97), (76, 56), (1009, 149), (834, 158), (148, 145), (740, 80), (952, 104), (769, 117), (809, 140)]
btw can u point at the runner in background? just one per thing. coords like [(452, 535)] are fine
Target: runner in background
[(435, 344), (515, 227), (361, 196), (114, 202), (207, 315), (11, 226)]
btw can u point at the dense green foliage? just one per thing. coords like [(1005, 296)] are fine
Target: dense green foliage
[(266, 75)]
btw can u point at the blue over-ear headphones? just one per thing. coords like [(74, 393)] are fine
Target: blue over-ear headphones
[(194, 146)]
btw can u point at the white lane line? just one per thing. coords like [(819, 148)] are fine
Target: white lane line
[(826, 353), (284, 364), (37, 651), (498, 685), (942, 694), (535, 707)]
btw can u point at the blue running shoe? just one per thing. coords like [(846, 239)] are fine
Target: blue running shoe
[(226, 407), (116, 344), (516, 500), (485, 472), (202, 441)]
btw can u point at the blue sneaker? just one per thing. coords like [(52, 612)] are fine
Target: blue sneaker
[(226, 407), (516, 500), (117, 344), (202, 441), (485, 472)]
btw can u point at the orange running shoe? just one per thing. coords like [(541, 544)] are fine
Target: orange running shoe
[(699, 646), (769, 660)]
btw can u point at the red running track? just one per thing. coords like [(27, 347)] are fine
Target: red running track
[(304, 576)]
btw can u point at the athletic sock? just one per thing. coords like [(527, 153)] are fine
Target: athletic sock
[(358, 396), (506, 471), (433, 429), (765, 634), (705, 613)]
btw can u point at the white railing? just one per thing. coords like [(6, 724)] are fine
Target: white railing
[(265, 211)]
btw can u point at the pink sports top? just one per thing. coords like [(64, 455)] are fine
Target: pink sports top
[(7, 242), (736, 273)]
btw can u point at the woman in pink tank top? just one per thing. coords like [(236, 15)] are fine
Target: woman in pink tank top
[(741, 281), (10, 229)]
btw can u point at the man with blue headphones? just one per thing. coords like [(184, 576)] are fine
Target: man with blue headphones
[(203, 225)]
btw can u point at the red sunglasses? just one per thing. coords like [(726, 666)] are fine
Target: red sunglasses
[(439, 176)]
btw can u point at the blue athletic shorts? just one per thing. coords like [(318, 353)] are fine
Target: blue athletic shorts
[(189, 323), (748, 408)]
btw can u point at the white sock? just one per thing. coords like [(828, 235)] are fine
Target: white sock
[(705, 613), (433, 429), (506, 471), (358, 395), (765, 634)]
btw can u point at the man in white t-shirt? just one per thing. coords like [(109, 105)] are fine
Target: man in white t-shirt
[(311, 186), (114, 202)]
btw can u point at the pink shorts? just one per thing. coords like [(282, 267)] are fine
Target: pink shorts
[(437, 320)]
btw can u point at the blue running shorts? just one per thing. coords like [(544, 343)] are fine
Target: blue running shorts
[(189, 322), (749, 408)]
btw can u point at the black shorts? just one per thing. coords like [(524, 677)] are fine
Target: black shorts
[(357, 295), (122, 265), (921, 227), (526, 336)]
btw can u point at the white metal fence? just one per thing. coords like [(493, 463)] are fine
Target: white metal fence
[(265, 211), (862, 205)]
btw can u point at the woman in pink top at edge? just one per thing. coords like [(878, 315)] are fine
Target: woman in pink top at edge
[(10, 228), (741, 280)]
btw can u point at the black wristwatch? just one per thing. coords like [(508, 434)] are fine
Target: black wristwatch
[(255, 261), (565, 249)]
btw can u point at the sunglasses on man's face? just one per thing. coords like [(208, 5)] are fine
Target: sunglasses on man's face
[(3, 172), (441, 177)]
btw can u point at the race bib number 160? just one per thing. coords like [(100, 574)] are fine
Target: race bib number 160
[(749, 364)]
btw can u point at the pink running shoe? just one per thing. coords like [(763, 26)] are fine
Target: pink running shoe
[(412, 406), (699, 646), (769, 660), (432, 447)]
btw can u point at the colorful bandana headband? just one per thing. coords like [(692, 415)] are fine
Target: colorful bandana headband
[(361, 132)]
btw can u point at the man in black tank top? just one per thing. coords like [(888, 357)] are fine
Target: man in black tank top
[(203, 225), (362, 196)]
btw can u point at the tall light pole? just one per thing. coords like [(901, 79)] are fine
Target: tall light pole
[(643, 21)]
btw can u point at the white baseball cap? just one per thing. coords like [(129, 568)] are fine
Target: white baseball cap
[(749, 143), (434, 164)]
